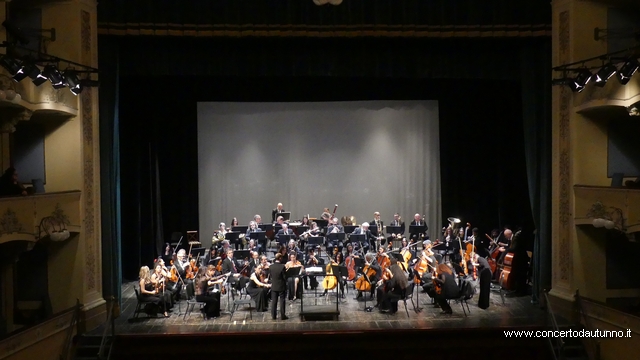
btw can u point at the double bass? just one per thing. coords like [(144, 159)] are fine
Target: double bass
[(507, 281)]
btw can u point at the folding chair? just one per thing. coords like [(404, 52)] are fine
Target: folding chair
[(191, 303)]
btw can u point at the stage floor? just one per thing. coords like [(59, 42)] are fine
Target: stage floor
[(517, 313)]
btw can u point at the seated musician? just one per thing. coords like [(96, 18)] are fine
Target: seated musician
[(284, 231), (172, 286), (397, 222), (254, 261), (204, 281), (369, 239), (282, 250), (226, 246), (429, 259), (160, 282), (391, 288), (314, 230), (339, 260), (404, 244), (258, 289), (371, 264), (181, 263), (211, 256), (504, 244), (253, 227), (446, 287), (264, 263), (334, 228), (326, 215), (292, 282), (229, 265), (309, 261), (279, 209), (417, 221), (221, 232), (253, 247), (258, 219), (148, 291)]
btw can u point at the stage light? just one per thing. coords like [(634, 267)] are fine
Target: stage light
[(627, 70), (605, 73), (11, 65), (72, 81), (581, 80), (35, 74), (54, 76)]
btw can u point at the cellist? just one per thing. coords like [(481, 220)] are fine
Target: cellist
[(370, 273), (429, 258)]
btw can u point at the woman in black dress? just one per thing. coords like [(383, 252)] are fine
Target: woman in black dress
[(446, 287), (393, 288), (204, 280), (258, 290), (148, 291)]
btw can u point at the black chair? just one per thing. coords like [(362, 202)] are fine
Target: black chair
[(408, 295), (243, 300), (141, 305), (463, 296), (192, 302)]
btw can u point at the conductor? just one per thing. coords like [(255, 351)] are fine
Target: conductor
[(278, 287)]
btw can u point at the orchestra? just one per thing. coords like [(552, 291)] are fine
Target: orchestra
[(460, 253)]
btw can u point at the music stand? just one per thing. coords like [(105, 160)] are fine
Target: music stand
[(241, 229), (232, 237), (242, 254), (340, 272), (358, 238), (293, 272), (322, 223), (301, 229), (284, 239), (285, 215), (198, 252), (259, 237), (350, 228), (417, 229), (315, 241)]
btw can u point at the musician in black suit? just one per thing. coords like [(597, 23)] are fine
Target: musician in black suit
[(278, 287), (397, 221), (229, 265), (334, 228), (482, 243), (369, 239), (284, 231), (378, 223), (274, 213), (417, 221), (253, 227), (255, 261), (309, 261)]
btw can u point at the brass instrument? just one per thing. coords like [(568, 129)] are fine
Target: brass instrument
[(217, 237), (453, 225), (348, 220)]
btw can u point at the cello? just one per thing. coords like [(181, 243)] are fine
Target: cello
[(350, 263), (364, 283), (507, 281), (493, 257), (330, 282), (463, 262)]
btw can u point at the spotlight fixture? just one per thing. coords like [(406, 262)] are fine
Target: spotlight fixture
[(605, 73), (627, 70), (72, 81), (581, 80), (54, 76), (11, 65)]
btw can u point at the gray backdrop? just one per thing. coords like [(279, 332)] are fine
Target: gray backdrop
[(364, 156)]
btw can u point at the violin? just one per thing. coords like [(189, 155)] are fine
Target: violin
[(193, 266), (173, 274)]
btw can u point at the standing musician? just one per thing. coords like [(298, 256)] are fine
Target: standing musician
[(279, 209), (370, 261), (482, 243), (149, 292), (334, 228), (446, 287), (480, 262), (369, 239), (392, 286), (380, 227), (397, 221), (205, 280), (229, 265), (278, 287), (258, 219), (258, 289), (418, 221), (309, 261), (292, 282)]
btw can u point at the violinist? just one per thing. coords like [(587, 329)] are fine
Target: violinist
[(253, 247), (229, 265), (148, 291), (370, 265), (311, 260), (211, 256), (258, 290), (292, 282), (160, 282), (391, 288), (204, 280), (446, 282), (171, 286), (265, 263)]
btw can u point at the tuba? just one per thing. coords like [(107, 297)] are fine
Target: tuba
[(453, 224)]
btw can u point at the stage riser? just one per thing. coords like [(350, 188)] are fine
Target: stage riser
[(438, 344)]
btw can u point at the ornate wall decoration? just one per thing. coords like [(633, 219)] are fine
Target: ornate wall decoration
[(88, 180), (9, 222), (563, 33), (87, 116), (90, 262), (85, 31)]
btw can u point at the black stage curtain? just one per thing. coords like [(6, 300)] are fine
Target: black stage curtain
[(483, 169)]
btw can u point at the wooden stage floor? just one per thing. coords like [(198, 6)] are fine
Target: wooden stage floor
[(516, 313)]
